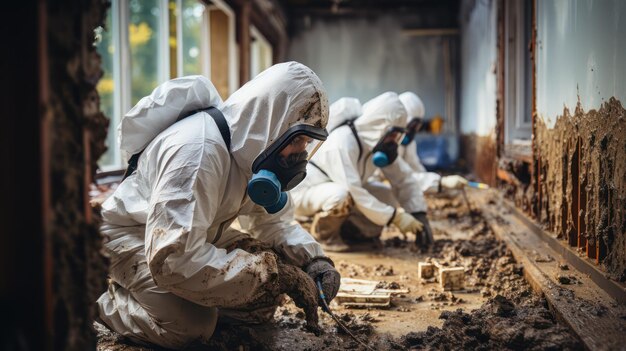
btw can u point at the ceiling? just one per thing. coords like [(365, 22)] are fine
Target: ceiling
[(365, 7)]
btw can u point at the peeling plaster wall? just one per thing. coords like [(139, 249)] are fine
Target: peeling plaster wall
[(581, 54), (581, 50), (478, 21), (77, 131), (363, 57)]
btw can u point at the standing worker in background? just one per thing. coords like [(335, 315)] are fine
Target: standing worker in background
[(430, 182), (167, 226), (346, 209)]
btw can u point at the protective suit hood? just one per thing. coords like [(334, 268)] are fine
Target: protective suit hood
[(163, 107), (263, 109), (379, 114), (342, 110), (413, 105)]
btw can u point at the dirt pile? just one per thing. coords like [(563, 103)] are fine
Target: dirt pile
[(351, 270), (513, 317), (499, 325)]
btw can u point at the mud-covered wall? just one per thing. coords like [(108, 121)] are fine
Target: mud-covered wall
[(581, 50), (586, 149), (478, 21), (580, 156), (76, 130)]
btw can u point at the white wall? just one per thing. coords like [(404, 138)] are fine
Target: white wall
[(478, 63), (581, 52), (365, 57)]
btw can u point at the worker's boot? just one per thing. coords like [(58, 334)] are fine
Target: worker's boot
[(326, 227)]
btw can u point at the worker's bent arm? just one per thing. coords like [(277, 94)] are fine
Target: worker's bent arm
[(183, 206)]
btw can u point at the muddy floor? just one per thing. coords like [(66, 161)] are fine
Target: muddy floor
[(496, 310)]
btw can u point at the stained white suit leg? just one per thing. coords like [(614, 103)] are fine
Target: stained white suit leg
[(358, 225), (330, 204), (326, 197), (135, 307)]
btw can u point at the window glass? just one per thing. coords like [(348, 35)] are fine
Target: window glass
[(105, 47), (143, 38), (192, 13)]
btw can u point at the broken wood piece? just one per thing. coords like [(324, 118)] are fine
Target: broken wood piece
[(363, 293), (449, 278), (452, 278)]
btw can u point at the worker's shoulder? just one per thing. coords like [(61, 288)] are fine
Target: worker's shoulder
[(341, 136)]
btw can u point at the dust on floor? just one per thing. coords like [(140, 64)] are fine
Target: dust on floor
[(496, 310)]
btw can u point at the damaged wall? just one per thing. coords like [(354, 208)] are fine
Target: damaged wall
[(478, 20), (365, 56), (581, 156), (77, 131), (53, 133)]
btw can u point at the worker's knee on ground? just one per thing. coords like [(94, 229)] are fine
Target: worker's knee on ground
[(339, 202), (191, 327)]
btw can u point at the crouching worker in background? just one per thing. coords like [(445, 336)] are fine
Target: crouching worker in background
[(199, 164), (430, 182), (347, 210)]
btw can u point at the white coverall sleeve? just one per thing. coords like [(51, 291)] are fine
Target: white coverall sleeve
[(428, 181), (405, 186), (341, 167), (284, 234), (412, 159), (183, 206)]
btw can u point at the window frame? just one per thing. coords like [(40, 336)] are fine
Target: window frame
[(518, 76), (120, 12), (254, 51)]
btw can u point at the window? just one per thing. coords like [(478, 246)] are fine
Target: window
[(146, 42), (192, 15), (518, 71), (260, 53), (106, 86)]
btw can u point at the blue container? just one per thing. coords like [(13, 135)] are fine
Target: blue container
[(433, 152)]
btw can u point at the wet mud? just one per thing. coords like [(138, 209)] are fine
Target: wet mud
[(292, 281), (76, 133), (585, 150), (496, 310)]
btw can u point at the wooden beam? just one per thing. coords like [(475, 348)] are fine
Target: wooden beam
[(243, 33)]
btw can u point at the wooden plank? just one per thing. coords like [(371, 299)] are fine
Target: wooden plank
[(219, 51), (587, 309)]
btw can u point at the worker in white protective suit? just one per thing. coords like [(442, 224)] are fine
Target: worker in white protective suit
[(167, 226), (345, 207), (429, 181)]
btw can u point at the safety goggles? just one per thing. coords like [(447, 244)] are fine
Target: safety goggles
[(298, 139), (393, 134), (411, 129)]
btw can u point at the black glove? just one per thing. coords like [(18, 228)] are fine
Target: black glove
[(323, 268), (425, 239)]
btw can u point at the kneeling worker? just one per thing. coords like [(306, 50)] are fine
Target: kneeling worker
[(345, 207), (167, 225)]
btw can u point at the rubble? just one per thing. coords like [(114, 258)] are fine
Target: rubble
[(512, 316)]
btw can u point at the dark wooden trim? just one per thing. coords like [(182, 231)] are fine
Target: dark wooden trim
[(243, 38)]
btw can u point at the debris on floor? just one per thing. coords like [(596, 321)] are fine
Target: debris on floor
[(361, 293), (449, 278), (496, 309)]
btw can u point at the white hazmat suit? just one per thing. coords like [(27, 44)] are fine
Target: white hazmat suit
[(336, 187), (168, 224), (429, 181)]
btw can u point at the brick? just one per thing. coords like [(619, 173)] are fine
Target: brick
[(452, 278)]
